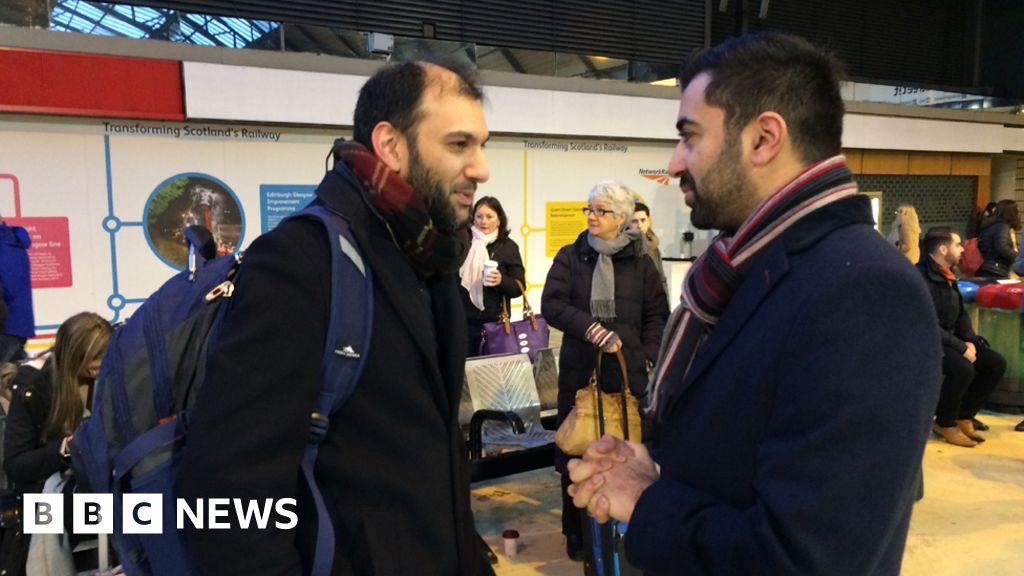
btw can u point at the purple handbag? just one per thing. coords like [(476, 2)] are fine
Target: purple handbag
[(528, 335)]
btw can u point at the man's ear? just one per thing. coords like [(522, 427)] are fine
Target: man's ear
[(390, 146), (769, 134)]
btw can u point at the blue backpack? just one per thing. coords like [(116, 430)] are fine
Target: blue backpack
[(151, 375)]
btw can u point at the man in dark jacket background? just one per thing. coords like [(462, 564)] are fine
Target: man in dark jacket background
[(16, 282), (392, 466), (800, 329), (970, 368)]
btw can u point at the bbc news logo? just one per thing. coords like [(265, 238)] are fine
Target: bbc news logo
[(144, 514)]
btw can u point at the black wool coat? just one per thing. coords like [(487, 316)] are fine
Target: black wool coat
[(505, 252), (393, 467), (641, 308)]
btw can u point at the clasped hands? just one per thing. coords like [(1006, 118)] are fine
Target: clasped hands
[(610, 478)]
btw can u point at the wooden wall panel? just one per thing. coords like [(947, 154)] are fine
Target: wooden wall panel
[(854, 159), (885, 162), (971, 165), (984, 190), (929, 164)]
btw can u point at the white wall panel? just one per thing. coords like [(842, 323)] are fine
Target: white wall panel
[(525, 111), (250, 94), (244, 93), (897, 133), (1013, 139)]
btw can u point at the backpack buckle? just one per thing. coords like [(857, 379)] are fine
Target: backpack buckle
[(225, 289), (318, 424)]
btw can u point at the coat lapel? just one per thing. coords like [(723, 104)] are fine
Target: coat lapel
[(393, 275), (450, 317), (767, 271)]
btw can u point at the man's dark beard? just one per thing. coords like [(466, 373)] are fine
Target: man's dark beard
[(728, 196), (436, 197)]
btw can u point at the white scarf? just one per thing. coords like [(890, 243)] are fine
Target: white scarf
[(472, 270)]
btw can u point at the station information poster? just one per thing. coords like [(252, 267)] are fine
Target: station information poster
[(563, 221), (50, 253), (278, 201)]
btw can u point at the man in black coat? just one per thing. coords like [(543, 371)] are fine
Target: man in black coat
[(392, 466), (970, 369)]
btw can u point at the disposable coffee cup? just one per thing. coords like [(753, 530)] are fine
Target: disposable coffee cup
[(489, 266), (511, 538)]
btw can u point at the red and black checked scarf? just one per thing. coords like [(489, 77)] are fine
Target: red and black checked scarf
[(718, 273), (403, 208)]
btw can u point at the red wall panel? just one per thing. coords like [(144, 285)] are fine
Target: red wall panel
[(89, 85)]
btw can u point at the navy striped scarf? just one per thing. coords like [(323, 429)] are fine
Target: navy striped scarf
[(718, 273), (430, 250)]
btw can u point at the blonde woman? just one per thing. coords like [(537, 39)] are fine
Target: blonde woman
[(906, 232), (46, 407)]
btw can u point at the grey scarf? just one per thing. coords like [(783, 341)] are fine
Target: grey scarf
[(602, 289)]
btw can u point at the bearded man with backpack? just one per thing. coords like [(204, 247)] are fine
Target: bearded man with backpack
[(391, 466)]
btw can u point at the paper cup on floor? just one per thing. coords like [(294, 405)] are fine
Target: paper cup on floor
[(511, 538)]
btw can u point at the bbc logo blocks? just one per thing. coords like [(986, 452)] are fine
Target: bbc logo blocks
[(144, 514), (93, 514)]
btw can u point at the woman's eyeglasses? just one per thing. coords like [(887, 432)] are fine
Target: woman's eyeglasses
[(600, 212)]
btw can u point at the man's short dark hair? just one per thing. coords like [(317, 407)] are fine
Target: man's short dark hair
[(937, 236), (769, 71), (394, 93), (641, 207)]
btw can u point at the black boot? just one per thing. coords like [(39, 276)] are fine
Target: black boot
[(1019, 427)]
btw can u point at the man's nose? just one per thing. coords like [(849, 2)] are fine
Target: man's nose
[(676, 166), (478, 170)]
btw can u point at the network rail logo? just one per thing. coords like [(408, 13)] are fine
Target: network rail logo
[(144, 514), (659, 175)]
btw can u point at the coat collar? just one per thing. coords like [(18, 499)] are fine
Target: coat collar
[(931, 270)]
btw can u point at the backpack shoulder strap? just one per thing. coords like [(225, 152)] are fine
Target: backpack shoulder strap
[(346, 348), (351, 322)]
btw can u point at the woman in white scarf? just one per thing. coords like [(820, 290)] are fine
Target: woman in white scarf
[(482, 296)]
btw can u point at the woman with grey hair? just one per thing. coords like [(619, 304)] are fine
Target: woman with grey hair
[(604, 293)]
